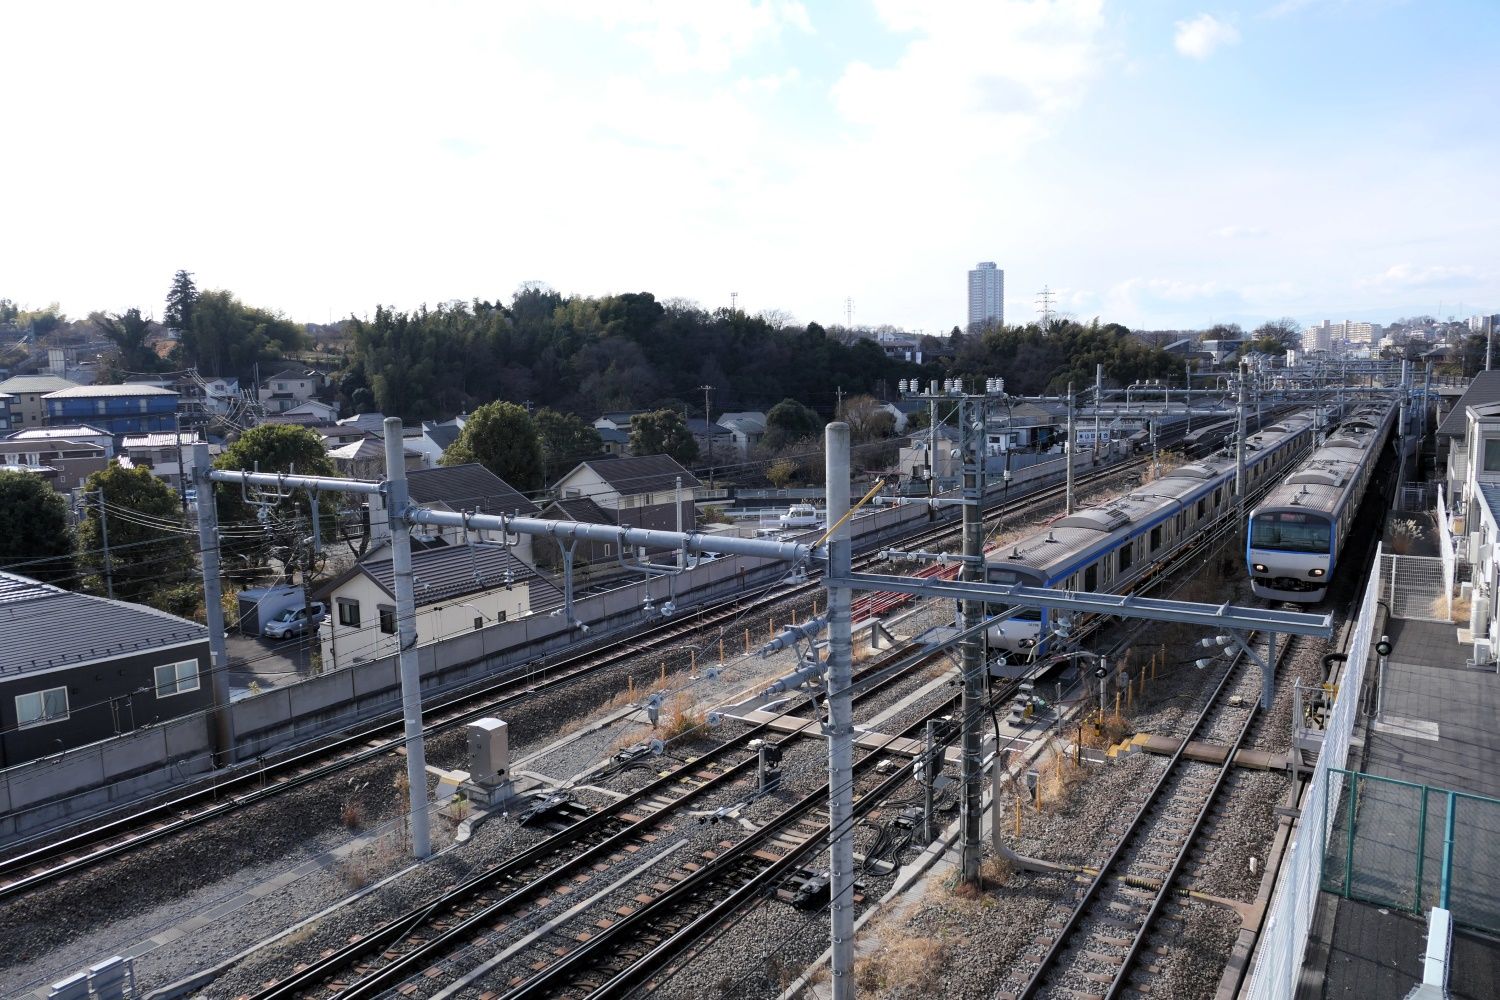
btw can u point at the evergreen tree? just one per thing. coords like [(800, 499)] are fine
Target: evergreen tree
[(181, 298), (662, 432), (35, 539), (502, 438), (150, 544)]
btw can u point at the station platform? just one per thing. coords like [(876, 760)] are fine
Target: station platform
[(1437, 728)]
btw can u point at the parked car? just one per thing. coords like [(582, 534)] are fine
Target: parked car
[(293, 621)]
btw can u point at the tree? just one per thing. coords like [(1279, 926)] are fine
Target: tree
[(789, 422), (259, 533), (150, 545), (868, 419), (1278, 335), (181, 298), (35, 539), (501, 437), (226, 337), (128, 331), (780, 472), (662, 432), (565, 438)]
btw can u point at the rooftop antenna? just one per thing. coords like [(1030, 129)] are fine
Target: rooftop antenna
[(734, 302), (1044, 304)]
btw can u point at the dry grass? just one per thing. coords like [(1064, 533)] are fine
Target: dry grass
[(352, 815), (1166, 461), (1057, 779), (1463, 608), (629, 736), (683, 716), (903, 966)]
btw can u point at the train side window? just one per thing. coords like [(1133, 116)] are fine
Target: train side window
[(1202, 508), (1127, 556), (1156, 538), (1181, 522), (1091, 578)]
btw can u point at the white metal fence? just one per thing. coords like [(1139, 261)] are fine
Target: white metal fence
[(1418, 587), (1445, 545), (1278, 959)]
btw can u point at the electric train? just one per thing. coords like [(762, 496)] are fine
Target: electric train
[(1111, 547), (1297, 532)]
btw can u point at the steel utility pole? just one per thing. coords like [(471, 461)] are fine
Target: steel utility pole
[(1187, 384), (932, 421), (973, 414), (840, 725), (213, 607), (1068, 450), (406, 630)]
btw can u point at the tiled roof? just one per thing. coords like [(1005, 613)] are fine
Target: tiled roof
[(441, 574), (71, 431), (631, 475), (441, 435), (1485, 388), (46, 627), (161, 440), (97, 391), (580, 509), (36, 383), (465, 487)]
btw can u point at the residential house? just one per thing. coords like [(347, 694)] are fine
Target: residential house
[(582, 511), (65, 464), (166, 455), (288, 388), (615, 442), (76, 669), (29, 410), (647, 491), (365, 458), (119, 409), (7, 412), (1454, 431), (432, 439), (617, 420), (715, 441), (919, 462), (370, 423), (87, 433), (458, 588), (311, 411), (746, 428), (472, 488)]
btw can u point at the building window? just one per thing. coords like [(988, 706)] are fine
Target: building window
[(176, 678), (1492, 454), (348, 612), (478, 622), (387, 618), (41, 707)]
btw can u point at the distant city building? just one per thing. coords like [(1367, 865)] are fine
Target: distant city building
[(1484, 324), (986, 294), (1327, 335)]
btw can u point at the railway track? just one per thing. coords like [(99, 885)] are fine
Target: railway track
[(1103, 945), (32, 867), (577, 857)]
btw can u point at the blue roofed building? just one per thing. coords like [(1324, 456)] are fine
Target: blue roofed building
[(119, 409)]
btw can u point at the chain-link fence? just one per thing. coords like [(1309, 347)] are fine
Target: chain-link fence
[(1416, 587), (1412, 847)]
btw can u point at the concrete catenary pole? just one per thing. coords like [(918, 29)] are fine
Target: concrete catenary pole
[(1239, 447), (840, 719), (1068, 451), (1098, 399), (213, 606), (971, 656), (1187, 384), (932, 439), (406, 630)]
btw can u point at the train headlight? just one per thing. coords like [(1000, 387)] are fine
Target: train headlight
[(1259, 567), (1318, 572)]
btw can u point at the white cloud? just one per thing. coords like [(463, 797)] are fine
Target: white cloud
[(1241, 232), (1199, 37), (1401, 276)]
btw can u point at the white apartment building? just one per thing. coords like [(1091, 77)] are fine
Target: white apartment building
[(1327, 336), (986, 294)]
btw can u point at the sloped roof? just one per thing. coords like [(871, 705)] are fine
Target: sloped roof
[(1485, 388), (70, 431), (580, 509), (36, 383), (46, 627), (610, 435), (634, 474), (441, 574), (96, 391), (702, 428), (465, 487), (442, 435)]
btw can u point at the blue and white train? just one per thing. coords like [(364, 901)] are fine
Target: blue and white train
[(1297, 532), (1113, 546)]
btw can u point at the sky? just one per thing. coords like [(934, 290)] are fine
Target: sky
[(1157, 164)]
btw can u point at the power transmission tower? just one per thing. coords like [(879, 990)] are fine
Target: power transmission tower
[(849, 313), (1044, 304)]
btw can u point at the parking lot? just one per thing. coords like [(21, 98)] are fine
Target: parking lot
[(266, 663)]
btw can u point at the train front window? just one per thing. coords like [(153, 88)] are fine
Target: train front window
[(1290, 531)]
